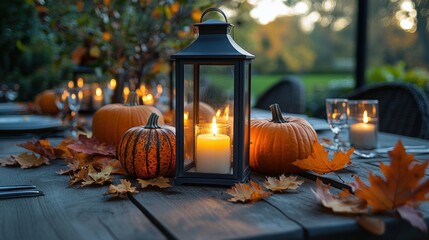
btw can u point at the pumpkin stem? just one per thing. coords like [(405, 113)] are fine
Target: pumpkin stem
[(132, 99), (152, 123), (277, 114)]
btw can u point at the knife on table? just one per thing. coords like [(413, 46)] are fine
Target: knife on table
[(15, 191)]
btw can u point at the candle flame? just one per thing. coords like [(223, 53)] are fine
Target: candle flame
[(218, 113), (98, 92), (80, 95), (80, 82), (365, 117), (70, 84), (214, 126), (226, 113), (112, 83), (126, 91), (186, 116), (159, 89)]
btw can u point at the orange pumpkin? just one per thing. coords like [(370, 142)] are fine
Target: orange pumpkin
[(111, 121), (149, 151), (45, 101), (276, 143)]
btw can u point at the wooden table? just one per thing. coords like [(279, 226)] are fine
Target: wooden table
[(183, 212)]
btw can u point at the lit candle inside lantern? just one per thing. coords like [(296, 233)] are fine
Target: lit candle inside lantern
[(112, 84), (80, 82), (363, 135), (70, 84), (148, 99), (126, 92), (213, 153), (97, 99)]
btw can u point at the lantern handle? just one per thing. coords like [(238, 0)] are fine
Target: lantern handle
[(213, 10)]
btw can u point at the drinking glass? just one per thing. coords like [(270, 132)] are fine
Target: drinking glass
[(61, 102), (336, 114), (74, 97)]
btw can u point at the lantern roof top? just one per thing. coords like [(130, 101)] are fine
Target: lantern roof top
[(213, 41)]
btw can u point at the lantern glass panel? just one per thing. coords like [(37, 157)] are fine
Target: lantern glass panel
[(208, 143)]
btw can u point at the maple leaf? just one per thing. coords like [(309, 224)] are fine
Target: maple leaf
[(251, 192), (95, 177), (400, 185), (282, 183), (318, 160), (8, 161), (42, 147), (63, 146), (160, 182), (92, 146), (121, 189), (101, 161), (73, 166), (27, 160), (344, 202)]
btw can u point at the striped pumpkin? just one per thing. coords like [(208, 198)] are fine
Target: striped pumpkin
[(149, 151)]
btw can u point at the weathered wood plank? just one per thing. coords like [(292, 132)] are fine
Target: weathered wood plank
[(67, 213), (202, 212)]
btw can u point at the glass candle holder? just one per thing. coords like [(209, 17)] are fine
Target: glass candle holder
[(363, 122), (213, 148)]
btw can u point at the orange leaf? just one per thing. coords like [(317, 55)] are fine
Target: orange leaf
[(318, 160), (27, 160), (242, 192), (400, 185), (160, 182), (343, 202), (282, 183), (121, 189), (43, 147), (92, 146)]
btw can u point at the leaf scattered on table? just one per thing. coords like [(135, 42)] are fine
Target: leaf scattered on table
[(319, 162), (160, 182), (92, 146), (27, 160), (8, 161), (400, 185), (413, 216), (282, 183), (121, 189), (372, 224), (251, 192), (95, 177), (63, 146), (42, 147), (72, 166), (344, 202)]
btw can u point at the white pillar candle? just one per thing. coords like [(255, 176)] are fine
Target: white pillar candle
[(363, 135), (213, 152)]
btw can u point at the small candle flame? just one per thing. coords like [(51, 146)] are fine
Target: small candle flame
[(70, 84), (80, 82), (159, 89), (98, 92), (112, 83), (365, 117), (80, 95), (226, 113), (186, 116), (218, 113), (214, 126)]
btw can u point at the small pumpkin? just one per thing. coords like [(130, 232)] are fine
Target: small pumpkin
[(111, 121), (45, 102), (276, 143), (149, 151)]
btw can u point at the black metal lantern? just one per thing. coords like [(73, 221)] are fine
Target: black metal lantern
[(213, 76)]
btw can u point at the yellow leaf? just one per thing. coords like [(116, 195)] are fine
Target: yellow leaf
[(160, 182), (251, 192), (319, 162), (121, 189), (282, 183)]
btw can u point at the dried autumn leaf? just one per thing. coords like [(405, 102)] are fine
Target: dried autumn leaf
[(8, 161), (160, 182), (100, 161), (63, 146), (318, 160), (73, 166), (121, 189), (282, 183), (344, 202), (79, 176), (371, 224), (400, 185), (42, 147), (251, 192), (27, 160), (92, 146), (95, 177)]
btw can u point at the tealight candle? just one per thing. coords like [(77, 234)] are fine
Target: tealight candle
[(97, 99), (213, 153), (363, 135)]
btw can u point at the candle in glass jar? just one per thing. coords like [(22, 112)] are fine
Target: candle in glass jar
[(363, 135), (213, 152), (97, 99)]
